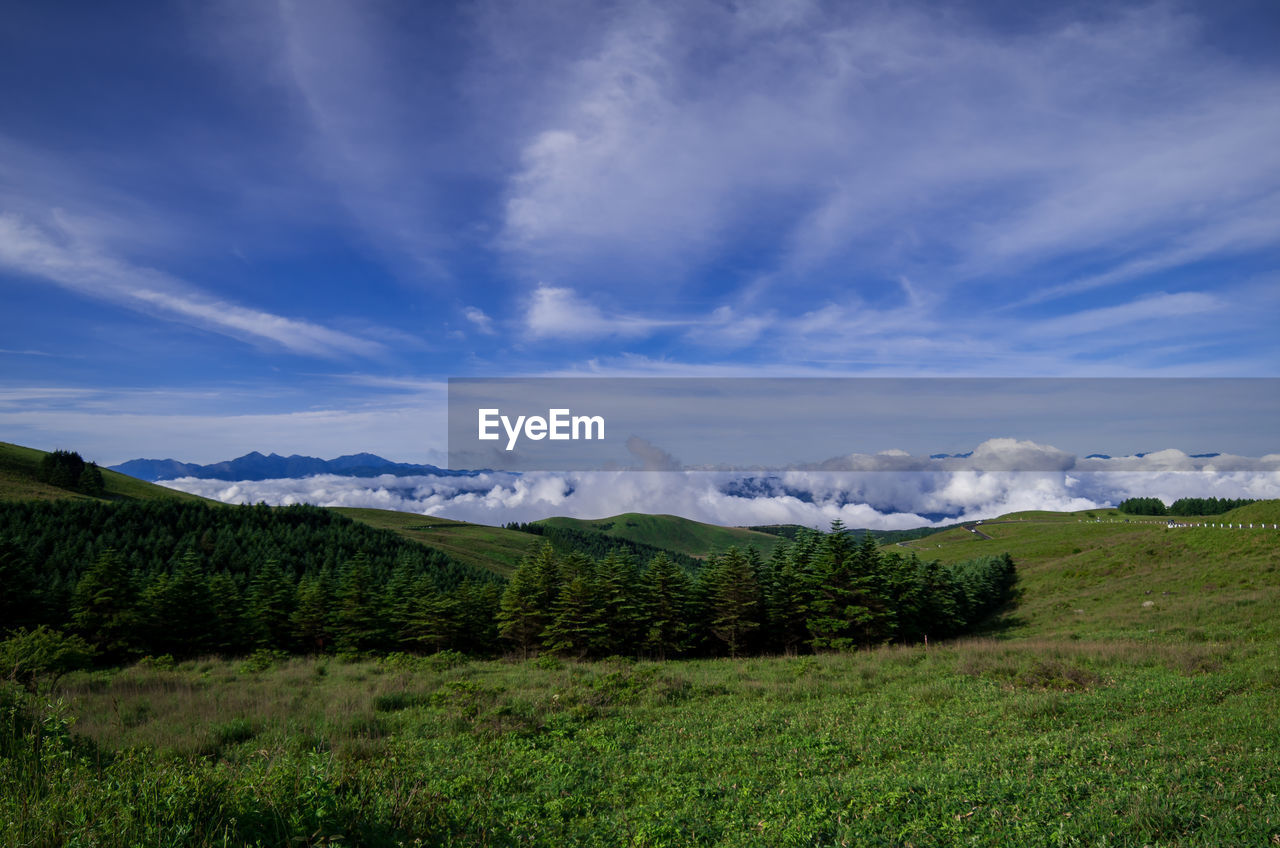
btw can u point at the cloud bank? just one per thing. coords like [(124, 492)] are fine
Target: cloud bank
[(871, 499)]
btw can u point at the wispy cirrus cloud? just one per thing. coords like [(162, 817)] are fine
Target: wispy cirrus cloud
[(558, 313), (63, 260), (888, 139), (479, 320)]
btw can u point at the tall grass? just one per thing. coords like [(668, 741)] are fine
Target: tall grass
[(981, 742)]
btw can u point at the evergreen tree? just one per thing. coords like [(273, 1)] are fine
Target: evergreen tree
[(833, 603), (475, 606), (577, 628), (787, 599), (20, 603), (61, 468), (849, 606), (227, 606), (177, 610), (272, 595), (617, 588), (356, 623), (873, 618), (665, 594), (938, 614), (526, 607), (397, 599), (90, 481), (432, 621), (310, 616), (102, 607), (733, 599)]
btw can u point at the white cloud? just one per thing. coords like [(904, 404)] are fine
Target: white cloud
[(873, 499), (1108, 319), (29, 250), (559, 313), (880, 135), (366, 141), (482, 322)]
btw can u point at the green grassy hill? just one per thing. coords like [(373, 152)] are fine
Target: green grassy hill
[(494, 548), (1099, 574), (1268, 511), (673, 533), (18, 481)]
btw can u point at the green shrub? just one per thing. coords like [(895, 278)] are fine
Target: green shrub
[(32, 657)]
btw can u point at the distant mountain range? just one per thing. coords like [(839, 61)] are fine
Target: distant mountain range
[(255, 466)]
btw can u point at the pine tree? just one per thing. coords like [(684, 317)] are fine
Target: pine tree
[(733, 599), (476, 609), (102, 607), (90, 481), (619, 597), (577, 628), (432, 621), (833, 603), (665, 593), (20, 601), (786, 599), (182, 611), (398, 597), (310, 617), (61, 468), (849, 606), (356, 623), (875, 619), (272, 595), (938, 613), (226, 603), (527, 601)]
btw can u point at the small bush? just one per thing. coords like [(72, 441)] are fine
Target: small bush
[(393, 701), (261, 660), (164, 662), (32, 657), (233, 732), (446, 660)]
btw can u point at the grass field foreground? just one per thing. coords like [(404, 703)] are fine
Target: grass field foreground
[(981, 742), (1131, 699)]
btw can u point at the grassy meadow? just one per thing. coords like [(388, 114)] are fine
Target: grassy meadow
[(18, 481), (492, 548), (672, 532), (1131, 699)]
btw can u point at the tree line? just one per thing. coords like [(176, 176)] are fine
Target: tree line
[(818, 592), (1182, 506), (186, 579), (68, 470)]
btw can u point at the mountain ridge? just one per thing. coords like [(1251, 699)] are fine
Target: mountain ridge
[(258, 466)]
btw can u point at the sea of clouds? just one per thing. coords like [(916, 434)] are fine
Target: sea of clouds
[(909, 492)]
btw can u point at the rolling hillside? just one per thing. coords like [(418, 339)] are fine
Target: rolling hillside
[(1100, 574), (672, 532), (18, 481), (487, 547)]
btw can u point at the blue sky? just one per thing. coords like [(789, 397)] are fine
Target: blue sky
[(237, 226)]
